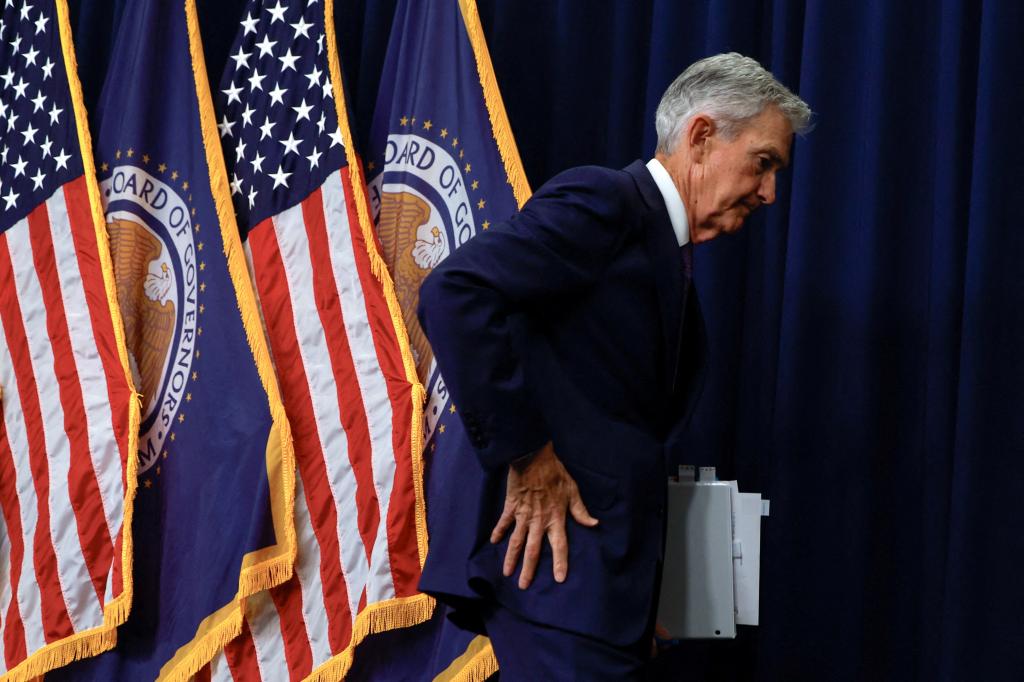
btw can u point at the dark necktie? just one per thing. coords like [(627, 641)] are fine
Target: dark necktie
[(687, 254)]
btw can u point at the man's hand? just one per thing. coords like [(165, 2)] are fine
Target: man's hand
[(539, 491)]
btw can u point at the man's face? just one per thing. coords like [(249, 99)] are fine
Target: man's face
[(727, 179)]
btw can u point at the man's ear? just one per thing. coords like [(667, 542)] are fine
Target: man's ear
[(698, 133)]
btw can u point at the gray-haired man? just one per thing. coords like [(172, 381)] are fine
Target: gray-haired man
[(572, 343)]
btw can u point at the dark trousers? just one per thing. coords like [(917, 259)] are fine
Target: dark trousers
[(530, 652)]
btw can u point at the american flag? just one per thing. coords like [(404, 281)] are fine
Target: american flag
[(347, 376), (69, 415)]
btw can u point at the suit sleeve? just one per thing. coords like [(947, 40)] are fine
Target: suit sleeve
[(559, 243)]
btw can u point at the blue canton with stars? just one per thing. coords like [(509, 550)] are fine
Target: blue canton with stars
[(276, 111), (38, 139)]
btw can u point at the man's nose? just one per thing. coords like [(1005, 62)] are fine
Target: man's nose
[(766, 190)]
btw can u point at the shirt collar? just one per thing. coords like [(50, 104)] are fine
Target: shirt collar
[(673, 202)]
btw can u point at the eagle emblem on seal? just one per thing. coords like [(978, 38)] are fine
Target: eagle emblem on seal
[(144, 286), (412, 248)]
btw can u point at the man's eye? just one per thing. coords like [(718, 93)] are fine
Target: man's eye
[(763, 163)]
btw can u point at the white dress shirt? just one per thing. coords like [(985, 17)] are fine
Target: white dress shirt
[(673, 202)]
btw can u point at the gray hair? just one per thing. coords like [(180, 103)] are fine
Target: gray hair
[(731, 89)]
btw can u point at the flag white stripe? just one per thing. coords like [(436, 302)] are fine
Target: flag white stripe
[(372, 387), (29, 598), (103, 448), (5, 580), (307, 569), (76, 583), (220, 671), (293, 245), (265, 626)]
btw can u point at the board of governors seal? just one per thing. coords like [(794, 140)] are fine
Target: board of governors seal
[(151, 241)]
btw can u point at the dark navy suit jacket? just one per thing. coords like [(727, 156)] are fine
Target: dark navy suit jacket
[(572, 322)]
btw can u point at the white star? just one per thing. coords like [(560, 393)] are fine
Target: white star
[(225, 127), (38, 102), (3, 154), (247, 115), (30, 56), (314, 77), (314, 158), (328, 89), (19, 167), (30, 134), (276, 94), (266, 47), (257, 163), (280, 178), (302, 28), (45, 146), (25, 10), (265, 129), (55, 114), (8, 77), (290, 145), (240, 150), (320, 44), (288, 60), (19, 89), (336, 138), (232, 94), (41, 23), (11, 198), (37, 180), (252, 197), (241, 59), (322, 122), (236, 184), (249, 23), (276, 13), (302, 110), (3, 109), (255, 81), (48, 69), (16, 44), (11, 118), (62, 160)]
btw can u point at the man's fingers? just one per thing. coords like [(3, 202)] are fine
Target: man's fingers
[(532, 554), (579, 510), (504, 523), (559, 549), (515, 546)]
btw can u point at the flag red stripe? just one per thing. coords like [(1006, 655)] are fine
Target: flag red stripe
[(119, 393), (83, 489), (14, 629), (297, 652), (272, 286), (401, 522), (203, 674), (241, 656), (350, 403), (56, 622)]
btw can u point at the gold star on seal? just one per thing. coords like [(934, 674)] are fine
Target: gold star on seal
[(104, 167), (441, 428), (476, 183), (452, 408), (117, 154), (200, 331), (188, 397), (173, 436), (199, 246), (202, 265), (487, 224), (455, 142), (162, 167), (427, 125), (468, 167), (131, 152), (195, 376), (444, 133), (404, 120), (481, 204), (174, 175), (148, 483), (145, 158), (371, 165), (202, 287), (181, 418), (184, 186)]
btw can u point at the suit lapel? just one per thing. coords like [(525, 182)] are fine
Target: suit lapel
[(667, 269)]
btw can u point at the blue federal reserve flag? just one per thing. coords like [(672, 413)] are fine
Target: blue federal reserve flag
[(213, 516), (444, 167)]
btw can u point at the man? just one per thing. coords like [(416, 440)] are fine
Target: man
[(572, 344)]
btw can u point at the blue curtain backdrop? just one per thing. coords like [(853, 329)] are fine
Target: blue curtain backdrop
[(866, 331)]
